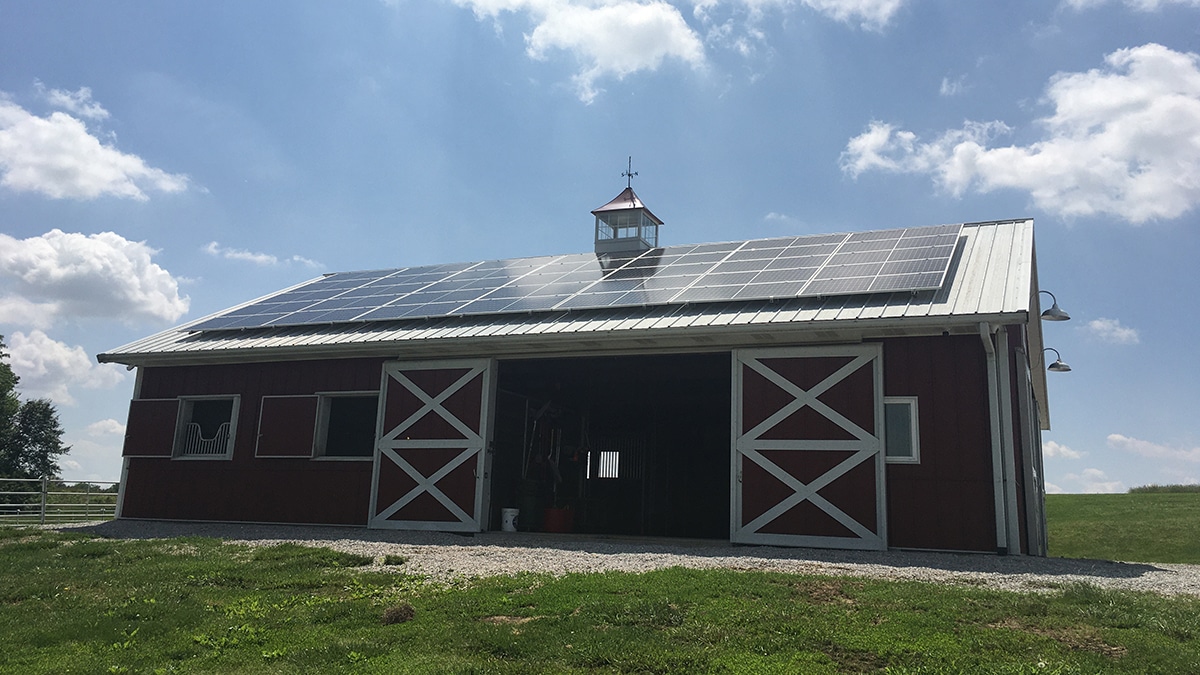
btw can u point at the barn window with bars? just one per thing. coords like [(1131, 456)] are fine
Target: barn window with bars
[(206, 427)]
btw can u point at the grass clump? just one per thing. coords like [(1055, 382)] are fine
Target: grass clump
[(393, 559), (398, 614)]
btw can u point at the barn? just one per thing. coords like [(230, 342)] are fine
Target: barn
[(861, 390)]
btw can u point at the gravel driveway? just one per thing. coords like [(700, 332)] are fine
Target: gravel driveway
[(448, 556)]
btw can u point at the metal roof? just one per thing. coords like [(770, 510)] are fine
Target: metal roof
[(991, 279), (628, 199)]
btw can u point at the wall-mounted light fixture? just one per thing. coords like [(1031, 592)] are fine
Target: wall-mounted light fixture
[(1058, 366), (1054, 313)]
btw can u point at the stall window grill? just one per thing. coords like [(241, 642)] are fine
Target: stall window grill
[(206, 427)]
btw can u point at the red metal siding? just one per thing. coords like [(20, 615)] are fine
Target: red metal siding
[(150, 431), (286, 426), (245, 487), (946, 501)]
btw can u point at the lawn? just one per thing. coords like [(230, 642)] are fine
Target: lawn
[(1141, 527), (73, 603)]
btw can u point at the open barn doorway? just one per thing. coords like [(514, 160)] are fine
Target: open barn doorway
[(629, 445)]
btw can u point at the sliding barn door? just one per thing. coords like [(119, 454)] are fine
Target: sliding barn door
[(432, 462), (808, 452)]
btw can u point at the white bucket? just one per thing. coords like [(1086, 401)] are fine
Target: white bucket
[(508, 519)]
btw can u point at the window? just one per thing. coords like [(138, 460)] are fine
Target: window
[(608, 465), (902, 437), (346, 426), (206, 426)]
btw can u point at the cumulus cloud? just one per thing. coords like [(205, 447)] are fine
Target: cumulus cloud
[(610, 38), (1139, 5), (1095, 480), (1053, 489), (1052, 449), (1153, 450), (616, 38), (49, 368), (106, 427), (1111, 331), (261, 259), (1124, 140), (59, 274), (58, 157)]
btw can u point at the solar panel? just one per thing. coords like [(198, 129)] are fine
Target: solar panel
[(880, 261)]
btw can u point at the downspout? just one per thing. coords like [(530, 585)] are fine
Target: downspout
[(985, 333), (1007, 442)]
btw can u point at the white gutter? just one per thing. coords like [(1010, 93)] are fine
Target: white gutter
[(985, 334)]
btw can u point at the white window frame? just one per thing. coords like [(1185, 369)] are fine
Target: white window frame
[(184, 418), (321, 437), (913, 421)]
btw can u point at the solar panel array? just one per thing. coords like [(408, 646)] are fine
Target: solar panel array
[(881, 261)]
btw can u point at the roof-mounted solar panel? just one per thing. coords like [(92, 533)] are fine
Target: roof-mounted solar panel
[(880, 261)]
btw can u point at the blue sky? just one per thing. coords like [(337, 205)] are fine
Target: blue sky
[(162, 161)]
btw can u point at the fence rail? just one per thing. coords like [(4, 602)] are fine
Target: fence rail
[(25, 501)]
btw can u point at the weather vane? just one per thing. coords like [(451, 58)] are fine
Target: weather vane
[(629, 173)]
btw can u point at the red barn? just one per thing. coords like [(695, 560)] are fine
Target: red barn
[(860, 390)]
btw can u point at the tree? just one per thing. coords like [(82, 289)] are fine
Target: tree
[(30, 433)]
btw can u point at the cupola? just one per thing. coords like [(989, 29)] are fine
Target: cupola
[(624, 226)]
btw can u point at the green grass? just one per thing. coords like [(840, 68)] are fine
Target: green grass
[(73, 604), (1141, 527)]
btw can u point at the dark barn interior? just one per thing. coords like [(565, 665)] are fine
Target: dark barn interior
[(627, 445)]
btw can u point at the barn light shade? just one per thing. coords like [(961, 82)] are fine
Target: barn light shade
[(1054, 313), (1058, 366)]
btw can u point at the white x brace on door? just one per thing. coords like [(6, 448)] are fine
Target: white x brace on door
[(808, 465), (432, 462)]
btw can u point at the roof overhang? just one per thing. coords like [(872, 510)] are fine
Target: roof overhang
[(571, 340)]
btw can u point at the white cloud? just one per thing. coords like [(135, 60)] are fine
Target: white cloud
[(1111, 331), (616, 38), (1123, 141), (1139, 5), (869, 14), (79, 101), (1053, 489), (953, 87), (60, 274), (18, 311), (91, 459), (1153, 450), (106, 427), (1095, 480), (58, 157), (260, 259), (49, 368), (1052, 449), (611, 38)]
